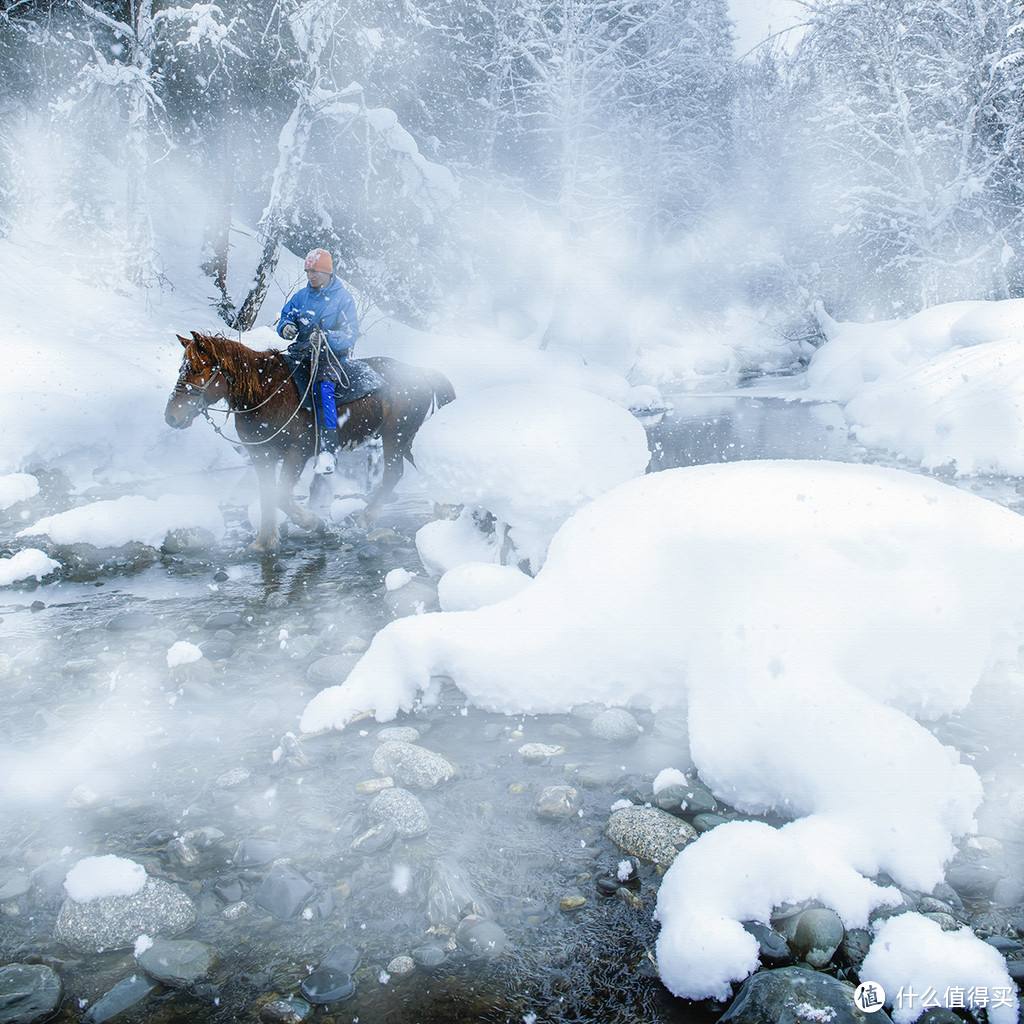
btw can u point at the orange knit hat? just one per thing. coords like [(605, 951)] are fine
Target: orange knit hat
[(319, 259)]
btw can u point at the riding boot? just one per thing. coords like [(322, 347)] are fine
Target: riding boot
[(327, 427)]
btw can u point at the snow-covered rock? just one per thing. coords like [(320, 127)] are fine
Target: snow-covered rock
[(816, 609), (182, 652), (397, 578), (15, 487), (474, 584), (446, 543), (530, 458), (93, 878), (914, 953), (859, 354), (132, 518), (963, 409), (29, 563)]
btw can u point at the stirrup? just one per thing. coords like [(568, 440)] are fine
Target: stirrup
[(324, 464)]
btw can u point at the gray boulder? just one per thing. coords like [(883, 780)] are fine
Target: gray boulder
[(817, 936), (28, 993), (125, 994), (796, 995), (615, 725), (411, 765), (177, 962), (283, 892), (400, 809), (557, 802), (115, 922), (649, 833)]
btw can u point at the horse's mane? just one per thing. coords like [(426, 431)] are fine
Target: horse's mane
[(248, 369)]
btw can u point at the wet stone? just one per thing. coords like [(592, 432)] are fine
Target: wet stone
[(114, 922), (28, 993), (772, 946), (450, 896), (124, 995), (232, 777), (480, 937), (947, 922), (343, 957), (411, 765), (131, 622), (616, 725), (223, 620), (189, 540), (538, 753), (14, 882), (401, 810), (285, 1011), (217, 650), (283, 892), (398, 733), (649, 833), (594, 776), (380, 837), (233, 911), (795, 995), (330, 670), (401, 965), (557, 802), (572, 902), (326, 985), (688, 799), (228, 889), (706, 821), (428, 957), (254, 852), (177, 962), (370, 786), (817, 936)]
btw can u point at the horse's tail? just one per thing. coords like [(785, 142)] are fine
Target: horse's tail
[(442, 392)]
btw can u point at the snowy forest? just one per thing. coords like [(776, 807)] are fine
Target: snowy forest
[(512, 511), (876, 164)]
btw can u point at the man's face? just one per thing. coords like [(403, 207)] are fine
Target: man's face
[(317, 278)]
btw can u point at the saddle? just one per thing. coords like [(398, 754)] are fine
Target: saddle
[(356, 380)]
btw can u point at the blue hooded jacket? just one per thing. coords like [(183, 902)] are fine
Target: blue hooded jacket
[(331, 308)]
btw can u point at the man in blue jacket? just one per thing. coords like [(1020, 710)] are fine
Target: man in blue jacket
[(320, 322)]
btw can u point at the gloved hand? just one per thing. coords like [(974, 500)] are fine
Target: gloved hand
[(289, 332), (318, 337)]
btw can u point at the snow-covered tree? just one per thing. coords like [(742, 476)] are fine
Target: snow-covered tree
[(127, 48)]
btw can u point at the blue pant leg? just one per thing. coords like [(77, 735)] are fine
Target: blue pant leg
[(328, 408)]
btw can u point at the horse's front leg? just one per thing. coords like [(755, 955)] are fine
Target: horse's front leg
[(393, 455), (267, 538), (291, 470)]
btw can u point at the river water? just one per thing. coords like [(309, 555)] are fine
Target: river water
[(107, 750)]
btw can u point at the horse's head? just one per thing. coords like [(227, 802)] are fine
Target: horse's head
[(201, 382)]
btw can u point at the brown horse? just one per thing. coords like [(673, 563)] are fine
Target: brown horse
[(276, 427)]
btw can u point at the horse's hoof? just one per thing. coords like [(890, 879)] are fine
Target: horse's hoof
[(264, 547)]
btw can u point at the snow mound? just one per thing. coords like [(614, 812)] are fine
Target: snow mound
[(132, 518), (446, 543), (857, 355), (474, 584), (668, 777), (964, 409), (398, 578), (181, 652), (30, 562), (531, 458), (95, 878), (912, 953), (803, 614), (15, 487)]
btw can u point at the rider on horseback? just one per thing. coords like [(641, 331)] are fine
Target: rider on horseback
[(320, 322)]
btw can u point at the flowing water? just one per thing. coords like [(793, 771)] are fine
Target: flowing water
[(105, 749)]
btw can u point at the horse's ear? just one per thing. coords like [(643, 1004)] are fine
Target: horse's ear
[(184, 341)]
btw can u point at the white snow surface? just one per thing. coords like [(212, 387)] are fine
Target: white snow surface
[(446, 543), (669, 777), (25, 564), (182, 652), (963, 409), (131, 518), (94, 878), (803, 614), (15, 487), (859, 354), (529, 458), (397, 578), (912, 952), (475, 584)]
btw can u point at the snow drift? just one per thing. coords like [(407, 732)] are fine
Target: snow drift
[(529, 457), (803, 615)]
